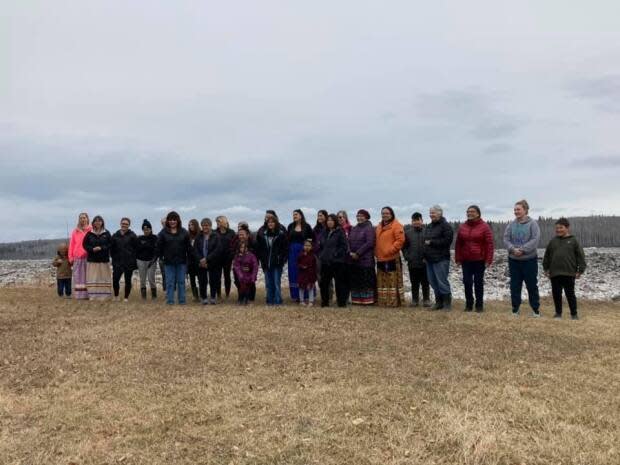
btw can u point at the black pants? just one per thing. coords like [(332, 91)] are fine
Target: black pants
[(566, 284), (117, 272), (209, 277), (225, 269), (192, 273), (64, 287), (473, 277), (337, 272), (418, 279)]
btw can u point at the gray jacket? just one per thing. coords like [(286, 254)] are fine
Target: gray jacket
[(524, 235)]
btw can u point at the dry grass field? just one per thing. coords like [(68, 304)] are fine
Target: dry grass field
[(148, 384)]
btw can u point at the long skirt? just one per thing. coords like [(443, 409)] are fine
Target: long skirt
[(80, 291), (390, 289), (99, 281), (293, 252), (363, 285)]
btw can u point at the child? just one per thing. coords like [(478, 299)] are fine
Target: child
[(564, 262), (63, 271), (245, 266), (306, 278), (413, 251)]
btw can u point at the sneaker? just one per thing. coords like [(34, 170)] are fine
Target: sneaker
[(535, 314), (415, 303), (204, 301), (125, 300), (117, 298), (557, 316), (515, 312), (310, 304), (574, 317), (426, 303)]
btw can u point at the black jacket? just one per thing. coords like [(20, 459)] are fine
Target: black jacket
[(103, 240), (175, 249), (273, 255), (334, 247), (215, 250), (440, 235), (147, 248), (226, 239), (413, 250), (123, 250), (299, 236)]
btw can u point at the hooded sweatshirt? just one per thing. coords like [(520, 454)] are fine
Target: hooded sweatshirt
[(522, 234), (564, 257)]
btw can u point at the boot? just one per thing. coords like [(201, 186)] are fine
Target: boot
[(143, 293), (153, 293), (438, 302), (447, 302)]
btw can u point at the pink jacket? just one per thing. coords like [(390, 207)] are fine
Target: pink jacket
[(76, 249)]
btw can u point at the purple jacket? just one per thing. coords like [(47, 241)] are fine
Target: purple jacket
[(245, 267), (362, 242)]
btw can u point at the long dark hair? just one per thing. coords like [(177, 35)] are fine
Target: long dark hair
[(303, 217), (173, 216), (193, 222), (319, 225), (391, 213)]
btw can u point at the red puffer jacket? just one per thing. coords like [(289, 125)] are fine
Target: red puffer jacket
[(474, 242)]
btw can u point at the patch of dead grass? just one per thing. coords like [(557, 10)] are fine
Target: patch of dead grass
[(86, 383)]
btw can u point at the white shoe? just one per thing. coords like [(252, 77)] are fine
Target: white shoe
[(125, 300)]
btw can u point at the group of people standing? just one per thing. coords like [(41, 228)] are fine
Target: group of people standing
[(361, 264)]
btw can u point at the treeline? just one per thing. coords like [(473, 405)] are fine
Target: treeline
[(592, 231)]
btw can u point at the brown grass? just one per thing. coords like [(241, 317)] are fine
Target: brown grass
[(148, 384)]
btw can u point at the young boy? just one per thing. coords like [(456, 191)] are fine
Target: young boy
[(63, 271), (564, 262), (306, 279), (413, 251)]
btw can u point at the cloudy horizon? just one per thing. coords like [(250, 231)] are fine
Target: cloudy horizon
[(209, 108)]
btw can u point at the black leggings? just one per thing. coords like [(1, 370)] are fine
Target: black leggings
[(337, 272), (226, 268), (116, 280)]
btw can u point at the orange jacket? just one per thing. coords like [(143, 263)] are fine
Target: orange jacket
[(390, 239)]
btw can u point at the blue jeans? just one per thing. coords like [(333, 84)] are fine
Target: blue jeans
[(524, 271), (273, 278), (438, 276), (175, 278)]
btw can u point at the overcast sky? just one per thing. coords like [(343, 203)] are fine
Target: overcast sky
[(135, 108)]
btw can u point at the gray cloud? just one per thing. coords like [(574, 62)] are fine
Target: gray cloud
[(497, 148), (598, 162), (603, 91)]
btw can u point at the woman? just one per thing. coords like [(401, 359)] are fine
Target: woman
[(97, 244), (298, 232), (78, 255), (173, 245), (193, 229), (438, 237), (146, 255), (389, 240), (210, 253), (272, 252), (474, 252), (521, 239), (123, 253), (343, 222), (319, 228), (363, 280), (333, 256), (227, 236)]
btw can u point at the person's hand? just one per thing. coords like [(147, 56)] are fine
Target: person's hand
[(547, 274), (427, 242), (203, 262), (578, 275), (96, 249), (354, 256), (518, 252)]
